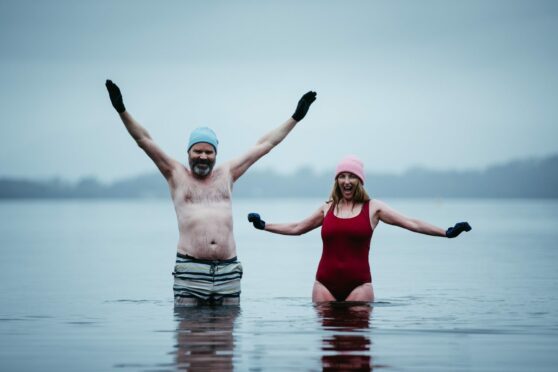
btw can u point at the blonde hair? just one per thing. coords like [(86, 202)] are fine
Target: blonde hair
[(360, 196)]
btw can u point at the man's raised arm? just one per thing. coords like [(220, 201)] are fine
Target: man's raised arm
[(139, 133), (273, 138)]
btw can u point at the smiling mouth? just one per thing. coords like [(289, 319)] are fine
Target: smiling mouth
[(202, 163), (347, 189)]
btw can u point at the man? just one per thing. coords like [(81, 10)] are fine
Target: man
[(207, 270)]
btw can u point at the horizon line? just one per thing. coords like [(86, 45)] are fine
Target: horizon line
[(98, 179)]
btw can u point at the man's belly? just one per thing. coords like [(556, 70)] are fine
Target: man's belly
[(211, 251), (207, 235), (212, 241)]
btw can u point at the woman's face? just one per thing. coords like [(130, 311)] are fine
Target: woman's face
[(347, 183)]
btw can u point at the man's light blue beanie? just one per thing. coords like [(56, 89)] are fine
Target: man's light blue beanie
[(203, 134)]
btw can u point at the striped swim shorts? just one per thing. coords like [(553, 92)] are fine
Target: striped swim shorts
[(207, 280)]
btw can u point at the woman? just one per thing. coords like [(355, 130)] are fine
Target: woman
[(348, 220)]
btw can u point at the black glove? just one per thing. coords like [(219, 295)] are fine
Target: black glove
[(115, 96), (303, 105), (256, 220), (459, 227)]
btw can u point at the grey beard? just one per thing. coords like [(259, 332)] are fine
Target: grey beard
[(201, 172)]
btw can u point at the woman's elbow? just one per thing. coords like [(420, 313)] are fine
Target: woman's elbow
[(413, 226), (295, 232), (302, 229)]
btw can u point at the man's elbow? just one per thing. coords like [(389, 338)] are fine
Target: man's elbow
[(267, 147), (142, 142)]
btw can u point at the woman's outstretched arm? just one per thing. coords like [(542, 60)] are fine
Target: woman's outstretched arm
[(294, 228), (390, 216)]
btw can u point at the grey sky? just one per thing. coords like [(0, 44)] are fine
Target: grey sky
[(439, 84)]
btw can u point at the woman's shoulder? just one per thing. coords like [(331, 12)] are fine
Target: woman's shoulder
[(376, 204), (326, 206)]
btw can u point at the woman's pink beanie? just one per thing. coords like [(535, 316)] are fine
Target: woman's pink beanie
[(351, 163)]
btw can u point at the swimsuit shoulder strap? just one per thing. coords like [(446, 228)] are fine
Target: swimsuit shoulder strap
[(330, 209), (365, 208)]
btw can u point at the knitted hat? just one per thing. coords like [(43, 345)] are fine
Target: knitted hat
[(203, 134), (352, 164)]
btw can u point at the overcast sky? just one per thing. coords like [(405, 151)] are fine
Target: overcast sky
[(437, 84)]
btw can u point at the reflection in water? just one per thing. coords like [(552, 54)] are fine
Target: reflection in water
[(346, 342), (205, 338)]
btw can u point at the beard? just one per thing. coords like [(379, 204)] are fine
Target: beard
[(201, 168)]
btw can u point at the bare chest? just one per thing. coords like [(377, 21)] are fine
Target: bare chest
[(215, 190)]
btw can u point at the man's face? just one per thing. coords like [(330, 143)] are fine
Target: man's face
[(201, 158)]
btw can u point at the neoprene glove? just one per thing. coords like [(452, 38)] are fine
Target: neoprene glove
[(256, 220), (303, 105), (459, 227), (115, 96)]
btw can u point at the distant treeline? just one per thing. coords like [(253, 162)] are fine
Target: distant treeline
[(534, 178)]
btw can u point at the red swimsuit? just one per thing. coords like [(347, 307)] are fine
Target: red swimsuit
[(344, 263)]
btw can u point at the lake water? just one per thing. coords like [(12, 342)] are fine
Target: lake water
[(87, 285)]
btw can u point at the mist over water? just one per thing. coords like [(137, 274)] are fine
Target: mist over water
[(436, 84)]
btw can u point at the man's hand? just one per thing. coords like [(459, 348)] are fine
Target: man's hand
[(115, 96), (256, 220), (459, 227), (303, 105)]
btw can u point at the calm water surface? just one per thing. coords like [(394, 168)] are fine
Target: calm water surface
[(87, 285)]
